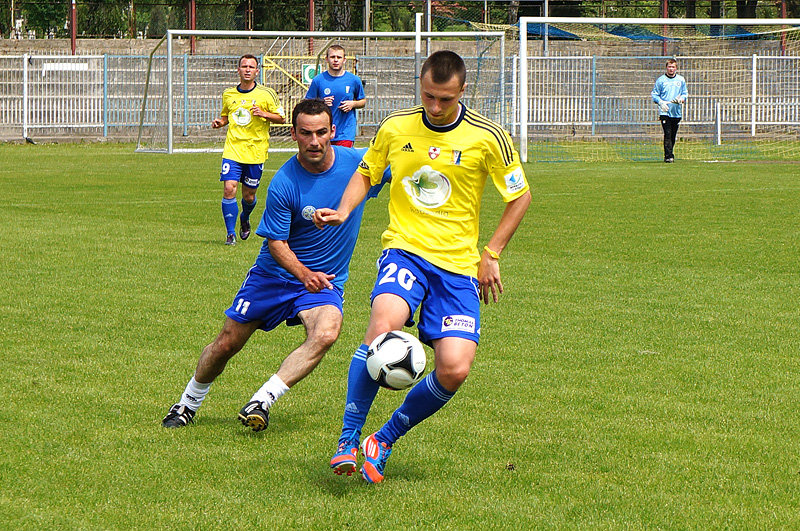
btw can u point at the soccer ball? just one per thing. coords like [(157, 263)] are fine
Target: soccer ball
[(396, 360)]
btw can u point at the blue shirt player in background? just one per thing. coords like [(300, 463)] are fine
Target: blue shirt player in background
[(299, 274), (669, 93), (343, 92)]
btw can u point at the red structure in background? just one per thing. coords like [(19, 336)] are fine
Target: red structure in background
[(73, 27)]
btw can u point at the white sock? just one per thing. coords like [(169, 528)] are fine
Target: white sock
[(194, 394), (271, 391)]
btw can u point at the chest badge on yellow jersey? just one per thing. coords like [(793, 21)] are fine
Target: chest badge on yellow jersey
[(427, 188), (241, 116), (434, 152)]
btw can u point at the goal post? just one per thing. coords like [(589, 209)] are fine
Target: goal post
[(584, 87), (184, 91)]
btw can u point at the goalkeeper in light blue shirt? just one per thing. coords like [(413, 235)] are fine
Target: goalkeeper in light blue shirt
[(670, 93)]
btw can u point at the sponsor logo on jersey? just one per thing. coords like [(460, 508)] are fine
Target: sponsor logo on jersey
[(434, 152), (347, 89), (308, 212), (515, 181), (363, 165), (407, 148), (241, 116), (456, 158), (427, 188), (462, 323)]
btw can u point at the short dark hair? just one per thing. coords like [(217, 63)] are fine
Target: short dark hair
[(312, 107), (247, 56), (672, 61), (443, 65), (334, 47)]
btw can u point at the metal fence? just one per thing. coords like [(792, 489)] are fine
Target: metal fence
[(569, 98), (578, 96)]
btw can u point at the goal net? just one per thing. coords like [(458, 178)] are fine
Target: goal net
[(585, 84), (184, 90)]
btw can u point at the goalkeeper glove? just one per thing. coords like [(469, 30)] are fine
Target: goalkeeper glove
[(664, 106)]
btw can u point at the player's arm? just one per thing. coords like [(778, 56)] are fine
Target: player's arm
[(489, 267), (272, 111), (272, 117), (219, 121), (656, 93), (355, 192), (349, 105), (314, 281)]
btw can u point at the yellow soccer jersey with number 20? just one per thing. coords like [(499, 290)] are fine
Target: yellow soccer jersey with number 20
[(248, 136), (438, 177)]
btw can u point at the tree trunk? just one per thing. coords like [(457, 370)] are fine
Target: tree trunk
[(513, 12), (340, 19), (746, 8)]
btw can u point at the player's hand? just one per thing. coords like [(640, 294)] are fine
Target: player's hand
[(327, 216), (216, 123), (255, 110), (664, 106), (316, 281), (489, 279), (346, 106), (328, 101)]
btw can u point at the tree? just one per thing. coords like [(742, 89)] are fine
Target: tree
[(691, 8), (46, 16), (157, 25), (103, 18), (746, 8)]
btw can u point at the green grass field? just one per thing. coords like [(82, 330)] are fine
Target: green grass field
[(641, 370)]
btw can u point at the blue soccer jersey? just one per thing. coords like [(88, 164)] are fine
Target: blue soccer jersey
[(292, 197), (343, 88)]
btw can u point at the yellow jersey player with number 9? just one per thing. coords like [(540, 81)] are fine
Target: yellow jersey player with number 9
[(441, 154), (248, 110)]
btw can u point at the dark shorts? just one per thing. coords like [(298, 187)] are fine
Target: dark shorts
[(449, 303), (273, 300), (247, 174)]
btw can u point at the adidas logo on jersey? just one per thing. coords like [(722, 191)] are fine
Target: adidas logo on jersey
[(408, 148)]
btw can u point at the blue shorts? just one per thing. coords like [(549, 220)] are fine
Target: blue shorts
[(449, 304), (273, 300), (247, 174)]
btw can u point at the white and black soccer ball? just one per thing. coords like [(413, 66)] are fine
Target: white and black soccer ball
[(396, 360)]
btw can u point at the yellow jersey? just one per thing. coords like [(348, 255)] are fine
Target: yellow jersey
[(438, 177), (247, 140)]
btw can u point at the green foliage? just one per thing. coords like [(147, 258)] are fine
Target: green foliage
[(117, 17), (101, 18), (156, 24), (640, 371), (46, 16), (393, 16)]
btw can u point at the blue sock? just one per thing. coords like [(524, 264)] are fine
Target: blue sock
[(422, 401), (230, 209), (361, 391), (247, 208)]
